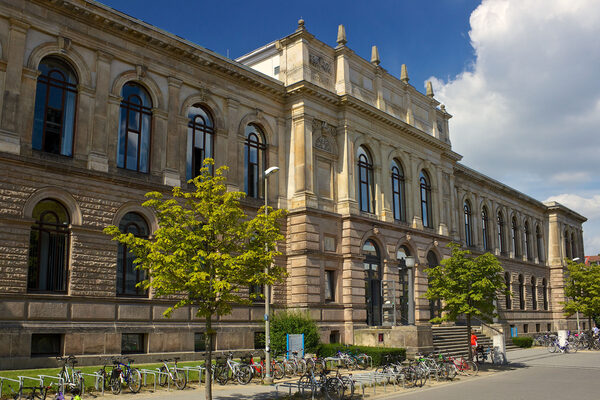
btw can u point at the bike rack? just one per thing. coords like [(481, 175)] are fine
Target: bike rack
[(197, 368), (146, 372), (2, 379), (96, 376), (60, 381)]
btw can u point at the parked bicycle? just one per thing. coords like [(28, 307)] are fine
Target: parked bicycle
[(71, 379), (233, 370), (332, 387), (124, 373), (173, 373)]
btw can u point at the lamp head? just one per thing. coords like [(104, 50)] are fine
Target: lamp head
[(410, 262), (271, 171)]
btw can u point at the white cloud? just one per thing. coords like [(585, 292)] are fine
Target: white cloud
[(527, 112)]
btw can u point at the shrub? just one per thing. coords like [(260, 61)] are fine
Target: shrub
[(285, 322), (522, 341), (377, 353)]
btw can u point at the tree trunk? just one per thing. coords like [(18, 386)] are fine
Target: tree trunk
[(469, 337), (589, 323), (208, 343)]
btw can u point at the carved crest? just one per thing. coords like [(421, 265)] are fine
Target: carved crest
[(323, 144), (319, 63)]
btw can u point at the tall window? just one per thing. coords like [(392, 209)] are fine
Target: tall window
[(435, 306), (405, 284), (521, 292), (545, 293), (527, 248), (515, 237), (398, 191), (533, 293), (485, 228), (329, 285), (135, 128), (540, 244), (254, 161), (567, 246), (425, 185), (468, 224), (128, 276), (573, 245), (366, 192), (507, 283), (501, 240), (49, 248), (55, 105), (373, 275), (199, 139)]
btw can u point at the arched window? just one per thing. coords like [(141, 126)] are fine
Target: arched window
[(545, 293), (366, 191), (199, 139), (128, 276), (567, 246), (426, 214), (468, 224), (540, 244), (485, 229), (573, 245), (55, 105), (254, 161), (501, 240), (49, 248), (521, 292), (533, 293), (398, 191), (372, 267), (515, 237), (435, 306), (527, 233), (135, 128), (508, 298)]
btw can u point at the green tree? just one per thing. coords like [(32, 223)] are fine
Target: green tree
[(285, 322), (467, 286), (582, 290), (206, 250)]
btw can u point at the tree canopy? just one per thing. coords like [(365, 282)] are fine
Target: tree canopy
[(582, 289), (466, 285), (206, 251)]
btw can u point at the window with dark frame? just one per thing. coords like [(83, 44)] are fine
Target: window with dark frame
[(540, 244), (46, 345), (334, 337), (366, 195), (200, 138), (485, 228), (55, 108), (525, 328), (515, 238), (425, 186), (468, 224), (537, 327), (128, 276), (507, 283), (135, 128), (573, 246), (534, 303), (132, 343), (257, 293), (521, 292), (545, 294), (527, 249), (259, 340), (254, 161), (200, 342), (501, 240), (49, 248), (435, 306), (329, 285), (399, 206)]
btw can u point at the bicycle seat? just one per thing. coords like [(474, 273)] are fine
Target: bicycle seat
[(176, 358)]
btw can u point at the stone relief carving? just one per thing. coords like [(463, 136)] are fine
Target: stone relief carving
[(323, 144), (325, 134), (319, 63)]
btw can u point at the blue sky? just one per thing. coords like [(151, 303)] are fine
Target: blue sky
[(520, 77)]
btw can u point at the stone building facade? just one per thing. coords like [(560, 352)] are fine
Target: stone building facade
[(98, 108)]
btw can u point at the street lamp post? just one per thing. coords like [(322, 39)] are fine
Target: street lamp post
[(576, 259), (268, 379), (410, 265)]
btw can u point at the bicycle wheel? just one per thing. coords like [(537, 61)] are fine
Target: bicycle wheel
[(103, 378), (334, 388), (469, 368), (301, 367), (179, 379), (362, 362), (552, 347), (115, 382), (305, 386), (570, 348), (222, 374), (134, 380), (78, 382), (349, 386), (244, 374), (163, 377), (288, 369), (277, 371)]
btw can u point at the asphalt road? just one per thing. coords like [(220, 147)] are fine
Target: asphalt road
[(534, 374)]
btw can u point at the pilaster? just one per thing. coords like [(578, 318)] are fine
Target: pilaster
[(171, 175), (98, 156)]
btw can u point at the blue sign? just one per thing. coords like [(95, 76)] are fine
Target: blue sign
[(295, 342)]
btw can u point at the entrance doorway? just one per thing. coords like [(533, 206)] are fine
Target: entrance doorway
[(372, 267)]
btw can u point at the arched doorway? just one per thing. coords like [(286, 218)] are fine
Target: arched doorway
[(405, 289), (372, 266), (435, 306)]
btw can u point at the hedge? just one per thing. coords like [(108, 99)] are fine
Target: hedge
[(377, 353), (522, 341)]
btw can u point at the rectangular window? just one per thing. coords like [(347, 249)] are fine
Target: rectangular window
[(537, 327), (329, 285), (548, 327), (334, 337), (329, 243), (132, 343), (45, 345), (525, 328), (257, 293), (259, 340), (200, 342)]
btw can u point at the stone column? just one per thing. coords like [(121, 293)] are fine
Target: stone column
[(158, 141), (282, 152), (385, 174), (85, 113), (98, 155), (346, 179), (452, 217), (235, 156), (171, 175), (112, 118), (417, 221), (438, 206), (26, 108), (303, 161), (15, 56)]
